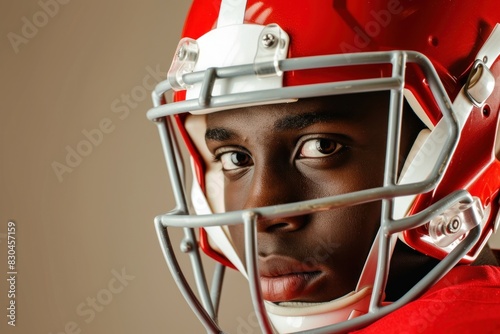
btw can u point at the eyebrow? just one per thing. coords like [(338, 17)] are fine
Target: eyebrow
[(218, 134), (290, 122)]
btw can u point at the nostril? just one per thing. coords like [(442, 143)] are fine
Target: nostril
[(277, 226), (289, 225), (283, 224)]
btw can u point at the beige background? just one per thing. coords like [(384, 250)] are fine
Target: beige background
[(75, 231), (87, 67)]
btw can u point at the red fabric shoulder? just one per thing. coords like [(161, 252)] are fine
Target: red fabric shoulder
[(466, 300)]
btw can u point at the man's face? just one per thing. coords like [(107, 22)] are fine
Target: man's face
[(292, 152)]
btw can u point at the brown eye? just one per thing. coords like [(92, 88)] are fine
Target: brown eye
[(319, 148), (233, 160)]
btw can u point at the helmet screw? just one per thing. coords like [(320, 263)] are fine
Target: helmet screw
[(268, 40), (453, 226), (186, 246)]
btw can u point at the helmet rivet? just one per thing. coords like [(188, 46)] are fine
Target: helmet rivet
[(453, 226), (186, 246), (268, 40)]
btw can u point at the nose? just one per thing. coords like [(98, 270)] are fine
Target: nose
[(276, 185)]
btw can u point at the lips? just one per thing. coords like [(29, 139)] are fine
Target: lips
[(287, 279)]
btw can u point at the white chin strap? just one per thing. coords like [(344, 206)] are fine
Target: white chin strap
[(294, 317)]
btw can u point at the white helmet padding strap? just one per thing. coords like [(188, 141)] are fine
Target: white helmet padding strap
[(231, 12), (213, 200)]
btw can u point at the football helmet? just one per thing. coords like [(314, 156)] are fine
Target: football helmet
[(439, 57)]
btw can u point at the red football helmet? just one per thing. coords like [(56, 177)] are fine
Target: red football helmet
[(443, 202)]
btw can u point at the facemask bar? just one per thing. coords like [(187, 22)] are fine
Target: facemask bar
[(189, 244), (376, 309), (211, 103), (180, 217)]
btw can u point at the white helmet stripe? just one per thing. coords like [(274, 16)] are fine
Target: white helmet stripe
[(231, 12)]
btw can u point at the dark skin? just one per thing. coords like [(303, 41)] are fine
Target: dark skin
[(309, 149)]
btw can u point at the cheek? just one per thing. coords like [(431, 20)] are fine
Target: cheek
[(354, 227), (236, 193), (349, 234), (337, 182), (238, 238), (234, 200), (361, 171)]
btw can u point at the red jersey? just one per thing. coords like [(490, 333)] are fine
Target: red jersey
[(466, 300)]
